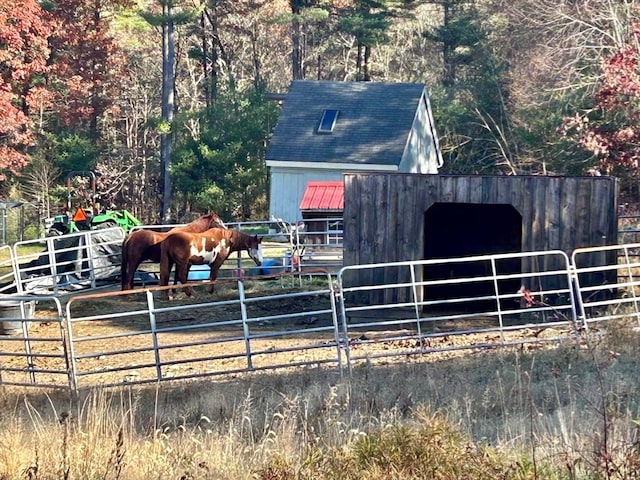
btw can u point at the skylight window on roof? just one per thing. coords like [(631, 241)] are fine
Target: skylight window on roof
[(328, 121)]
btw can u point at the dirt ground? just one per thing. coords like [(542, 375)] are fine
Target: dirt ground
[(113, 340), (116, 340)]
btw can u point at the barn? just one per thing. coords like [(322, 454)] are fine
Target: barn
[(398, 217), (326, 129)]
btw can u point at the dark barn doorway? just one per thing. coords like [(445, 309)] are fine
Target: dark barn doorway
[(466, 229)]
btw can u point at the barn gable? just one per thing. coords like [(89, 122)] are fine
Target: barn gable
[(328, 128)]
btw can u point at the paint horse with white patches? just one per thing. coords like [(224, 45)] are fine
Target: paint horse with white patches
[(212, 248), (142, 245)]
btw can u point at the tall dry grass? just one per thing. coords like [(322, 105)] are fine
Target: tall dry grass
[(526, 413)]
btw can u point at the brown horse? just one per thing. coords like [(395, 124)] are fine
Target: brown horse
[(143, 245), (211, 248)]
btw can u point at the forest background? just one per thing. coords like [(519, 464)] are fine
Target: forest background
[(136, 89)]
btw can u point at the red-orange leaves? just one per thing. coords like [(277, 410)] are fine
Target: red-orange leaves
[(24, 51)]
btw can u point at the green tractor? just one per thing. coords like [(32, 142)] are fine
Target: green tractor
[(87, 218)]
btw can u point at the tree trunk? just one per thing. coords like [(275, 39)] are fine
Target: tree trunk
[(215, 44), (204, 60), (296, 51), (448, 66), (359, 62), (168, 80), (366, 74), (96, 108)]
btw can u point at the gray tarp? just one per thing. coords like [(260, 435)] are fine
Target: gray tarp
[(73, 262)]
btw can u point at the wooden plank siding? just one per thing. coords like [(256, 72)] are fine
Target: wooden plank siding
[(385, 215)]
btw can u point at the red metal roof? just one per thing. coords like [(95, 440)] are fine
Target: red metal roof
[(323, 196)]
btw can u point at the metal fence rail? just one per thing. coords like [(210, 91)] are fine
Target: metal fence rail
[(617, 294), (628, 229), (160, 341), (401, 309), (30, 354), (318, 244), (67, 263), (489, 309), (8, 268)]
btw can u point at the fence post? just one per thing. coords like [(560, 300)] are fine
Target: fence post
[(154, 334), (343, 320), (69, 352), (245, 324)]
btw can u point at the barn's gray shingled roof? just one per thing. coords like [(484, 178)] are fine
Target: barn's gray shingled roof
[(372, 128)]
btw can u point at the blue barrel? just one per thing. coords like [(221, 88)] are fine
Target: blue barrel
[(271, 266)]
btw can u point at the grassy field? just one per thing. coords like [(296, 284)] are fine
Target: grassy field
[(534, 413)]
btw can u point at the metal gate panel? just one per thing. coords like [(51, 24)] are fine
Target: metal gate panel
[(203, 337), (417, 310), (8, 277), (32, 342), (608, 282), (540, 308), (68, 262)]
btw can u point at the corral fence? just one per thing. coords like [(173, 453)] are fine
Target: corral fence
[(489, 307), (628, 228), (358, 315), (200, 338), (62, 264), (20, 220)]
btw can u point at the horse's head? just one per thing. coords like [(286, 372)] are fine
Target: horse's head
[(254, 247), (214, 221)]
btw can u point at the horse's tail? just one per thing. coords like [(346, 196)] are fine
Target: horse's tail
[(124, 261)]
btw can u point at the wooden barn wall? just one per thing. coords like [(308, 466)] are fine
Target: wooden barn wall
[(384, 213)]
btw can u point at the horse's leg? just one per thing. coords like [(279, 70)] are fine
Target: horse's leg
[(166, 263), (186, 276), (181, 275), (133, 263), (172, 263), (131, 260), (213, 273), (132, 257)]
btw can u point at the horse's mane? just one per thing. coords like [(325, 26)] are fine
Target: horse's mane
[(210, 220)]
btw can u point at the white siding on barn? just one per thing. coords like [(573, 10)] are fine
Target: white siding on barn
[(287, 188), (422, 154)]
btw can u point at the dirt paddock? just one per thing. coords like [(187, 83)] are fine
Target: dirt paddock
[(112, 340)]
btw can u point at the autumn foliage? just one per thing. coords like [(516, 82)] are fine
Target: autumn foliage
[(81, 84), (87, 66), (611, 131), (24, 51)]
